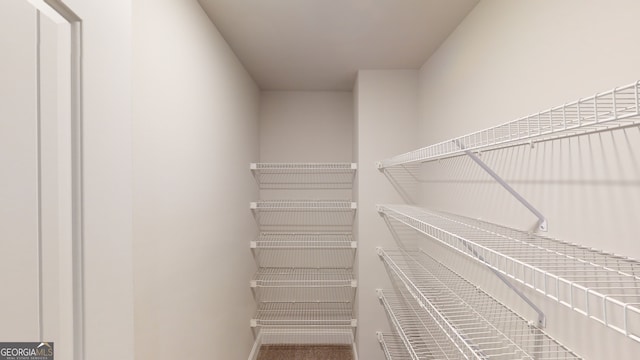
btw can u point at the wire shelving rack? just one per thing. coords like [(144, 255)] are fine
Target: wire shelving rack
[(421, 337), (303, 314), (602, 286), (303, 205), (613, 109), (477, 324), (393, 347), (312, 250), (304, 285), (293, 168), (304, 215), (304, 175)]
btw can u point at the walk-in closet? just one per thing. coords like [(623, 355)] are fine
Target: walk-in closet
[(320, 179)]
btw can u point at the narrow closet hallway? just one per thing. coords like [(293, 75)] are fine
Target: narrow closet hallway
[(320, 180)]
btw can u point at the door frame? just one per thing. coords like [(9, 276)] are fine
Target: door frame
[(76, 276)]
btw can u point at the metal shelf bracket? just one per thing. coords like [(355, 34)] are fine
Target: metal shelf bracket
[(542, 320), (542, 221), (379, 336)]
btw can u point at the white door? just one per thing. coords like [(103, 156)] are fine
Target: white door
[(36, 246)]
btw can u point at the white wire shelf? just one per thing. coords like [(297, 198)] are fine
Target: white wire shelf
[(307, 335), (420, 336), (303, 205), (304, 250), (304, 215), (613, 109), (304, 285), (294, 168), (603, 286), (310, 315), (304, 175), (393, 347), (479, 325)]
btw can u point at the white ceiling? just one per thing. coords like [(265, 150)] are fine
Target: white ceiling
[(320, 44)]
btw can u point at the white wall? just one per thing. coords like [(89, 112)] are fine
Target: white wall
[(508, 59), (195, 133), (387, 119), (306, 126)]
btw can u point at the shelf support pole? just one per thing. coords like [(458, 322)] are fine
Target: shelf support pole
[(542, 221), (542, 322)]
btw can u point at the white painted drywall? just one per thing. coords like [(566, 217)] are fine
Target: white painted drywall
[(387, 119), (306, 126), (18, 166), (509, 59), (195, 133)]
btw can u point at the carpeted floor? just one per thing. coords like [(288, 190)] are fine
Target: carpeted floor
[(305, 352)]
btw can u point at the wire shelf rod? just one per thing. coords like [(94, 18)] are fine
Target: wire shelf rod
[(537, 250), (474, 319), (597, 284), (347, 236), (466, 327), (303, 205), (303, 167), (304, 250), (284, 277), (613, 109), (306, 335), (304, 175), (307, 314), (304, 245), (393, 347), (304, 285), (304, 241), (421, 334)]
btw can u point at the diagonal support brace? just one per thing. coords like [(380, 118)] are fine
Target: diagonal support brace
[(542, 320), (542, 221)]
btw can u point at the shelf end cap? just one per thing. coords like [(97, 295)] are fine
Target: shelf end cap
[(380, 293), (544, 225)]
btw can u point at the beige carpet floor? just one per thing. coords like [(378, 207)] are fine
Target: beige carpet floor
[(305, 352)]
